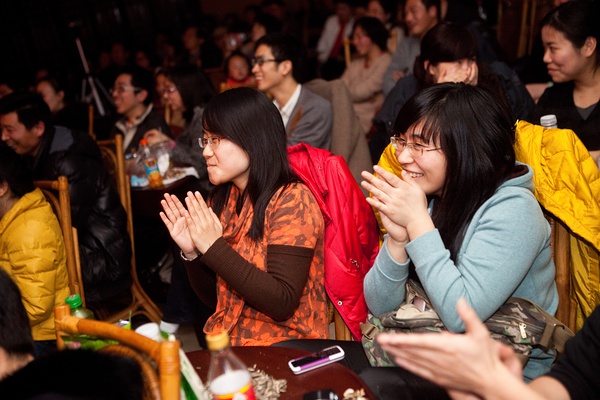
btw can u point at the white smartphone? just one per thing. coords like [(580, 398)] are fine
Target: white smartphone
[(315, 360)]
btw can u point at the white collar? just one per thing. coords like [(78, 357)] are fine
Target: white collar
[(286, 110)]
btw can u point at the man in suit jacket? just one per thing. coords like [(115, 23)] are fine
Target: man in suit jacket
[(277, 66)]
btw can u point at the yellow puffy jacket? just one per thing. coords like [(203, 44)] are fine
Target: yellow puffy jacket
[(567, 184), (32, 251)]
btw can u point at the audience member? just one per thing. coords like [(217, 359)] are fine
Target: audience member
[(132, 95), (119, 58), (238, 69), (364, 76), (386, 11), (461, 218), (16, 341), (7, 86), (254, 253), (96, 210), (448, 54), (235, 36), (330, 47), (263, 24), (144, 59), (474, 365), (64, 113), (198, 50), (278, 68), (419, 17), (165, 50), (187, 90), (570, 34), (32, 250)]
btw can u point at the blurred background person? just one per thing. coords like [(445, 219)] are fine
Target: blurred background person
[(65, 112), (449, 54), (238, 69), (330, 47), (387, 11), (132, 95), (364, 76)]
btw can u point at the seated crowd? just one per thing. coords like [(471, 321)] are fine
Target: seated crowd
[(457, 210)]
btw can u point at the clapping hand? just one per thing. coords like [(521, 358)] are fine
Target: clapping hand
[(174, 218), (202, 222)]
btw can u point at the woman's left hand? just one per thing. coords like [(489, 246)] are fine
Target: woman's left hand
[(203, 224)]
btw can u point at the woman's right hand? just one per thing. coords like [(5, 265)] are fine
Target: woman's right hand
[(174, 218), (381, 194), (154, 136)]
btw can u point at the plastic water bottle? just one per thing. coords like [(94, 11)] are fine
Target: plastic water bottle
[(549, 121), (151, 165), (77, 309), (228, 377)]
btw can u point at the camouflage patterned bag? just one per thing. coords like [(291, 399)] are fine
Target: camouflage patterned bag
[(519, 323)]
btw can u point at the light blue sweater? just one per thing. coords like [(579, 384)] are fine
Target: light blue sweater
[(506, 252)]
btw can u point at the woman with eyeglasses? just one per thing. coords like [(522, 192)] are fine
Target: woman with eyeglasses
[(461, 217), (187, 90), (255, 248)]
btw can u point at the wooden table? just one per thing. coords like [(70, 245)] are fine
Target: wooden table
[(273, 361)]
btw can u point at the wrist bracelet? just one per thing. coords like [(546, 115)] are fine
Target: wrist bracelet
[(184, 258)]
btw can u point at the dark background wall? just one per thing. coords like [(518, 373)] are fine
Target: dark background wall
[(41, 33)]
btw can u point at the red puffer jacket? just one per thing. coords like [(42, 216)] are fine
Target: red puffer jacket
[(351, 235)]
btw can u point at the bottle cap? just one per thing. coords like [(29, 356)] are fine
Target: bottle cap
[(143, 142), (73, 301), (217, 340), (548, 120)]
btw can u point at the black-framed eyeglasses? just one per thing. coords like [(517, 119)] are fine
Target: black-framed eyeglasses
[(212, 141), (416, 150), (123, 89), (260, 61), (169, 89)]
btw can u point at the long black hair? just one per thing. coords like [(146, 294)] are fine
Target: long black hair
[(448, 42), (250, 120), (476, 134), (194, 88)]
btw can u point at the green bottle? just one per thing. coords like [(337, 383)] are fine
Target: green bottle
[(77, 309)]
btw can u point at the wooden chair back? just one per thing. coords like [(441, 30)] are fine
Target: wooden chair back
[(560, 242), (62, 208), (114, 160), (162, 376), (340, 329), (347, 51)]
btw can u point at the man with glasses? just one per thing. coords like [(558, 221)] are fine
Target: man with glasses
[(131, 95), (277, 66)]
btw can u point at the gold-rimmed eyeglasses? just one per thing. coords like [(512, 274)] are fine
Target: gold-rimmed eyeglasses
[(212, 141), (416, 150)]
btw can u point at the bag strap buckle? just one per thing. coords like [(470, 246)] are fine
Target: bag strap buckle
[(368, 330)]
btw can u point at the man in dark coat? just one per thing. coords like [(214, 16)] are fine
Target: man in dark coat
[(96, 211)]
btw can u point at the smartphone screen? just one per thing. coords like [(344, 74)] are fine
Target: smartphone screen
[(316, 360)]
